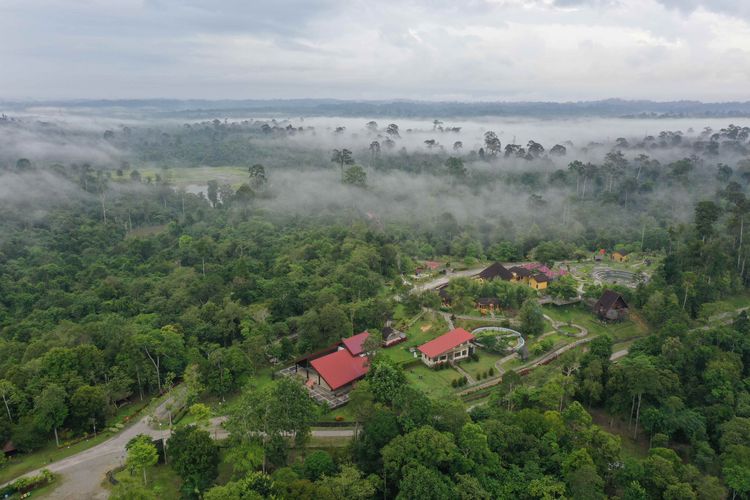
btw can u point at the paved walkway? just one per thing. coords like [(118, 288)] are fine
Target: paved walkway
[(463, 372)]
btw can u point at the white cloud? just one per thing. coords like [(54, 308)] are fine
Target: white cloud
[(480, 49)]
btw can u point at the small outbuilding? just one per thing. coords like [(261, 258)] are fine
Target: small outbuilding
[(9, 449), (611, 306), (619, 256), (539, 281), (487, 304)]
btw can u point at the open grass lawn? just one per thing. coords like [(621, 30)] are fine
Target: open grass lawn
[(727, 305), (435, 383), (184, 176), (345, 414), (569, 329), (582, 316), (23, 463), (430, 326), (162, 480), (472, 324), (486, 361)]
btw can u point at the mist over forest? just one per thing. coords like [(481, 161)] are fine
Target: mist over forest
[(176, 270), (521, 178)]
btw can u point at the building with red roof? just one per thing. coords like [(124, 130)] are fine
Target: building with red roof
[(451, 346), (340, 369), (355, 344)]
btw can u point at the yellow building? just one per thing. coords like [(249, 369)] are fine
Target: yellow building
[(619, 256), (538, 281)]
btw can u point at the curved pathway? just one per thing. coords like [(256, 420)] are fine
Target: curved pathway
[(82, 476)]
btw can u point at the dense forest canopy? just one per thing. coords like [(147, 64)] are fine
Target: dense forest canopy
[(123, 273)]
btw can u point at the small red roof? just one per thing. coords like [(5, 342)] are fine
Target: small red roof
[(432, 264), (446, 342), (340, 368), (355, 343), (9, 447)]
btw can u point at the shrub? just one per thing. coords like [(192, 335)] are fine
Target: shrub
[(492, 371), (454, 383), (659, 441)]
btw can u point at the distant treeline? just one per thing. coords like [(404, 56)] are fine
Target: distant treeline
[(408, 109)]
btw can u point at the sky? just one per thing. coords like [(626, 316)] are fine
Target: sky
[(467, 50)]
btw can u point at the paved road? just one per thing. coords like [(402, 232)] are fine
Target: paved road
[(82, 475), (443, 280)]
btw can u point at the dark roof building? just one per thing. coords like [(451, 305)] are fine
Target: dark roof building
[(611, 306), (520, 272), (496, 270), (444, 296), (9, 448), (541, 278)]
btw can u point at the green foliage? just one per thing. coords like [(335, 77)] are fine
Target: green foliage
[(355, 176), (386, 379), (195, 457), (532, 318), (141, 455), (318, 464)]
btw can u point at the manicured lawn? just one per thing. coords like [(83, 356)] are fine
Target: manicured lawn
[(582, 316), (430, 326), (435, 383), (472, 324), (569, 329), (345, 412), (486, 361)]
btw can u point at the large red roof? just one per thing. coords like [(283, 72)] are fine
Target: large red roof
[(340, 368), (355, 342), (445, 342)]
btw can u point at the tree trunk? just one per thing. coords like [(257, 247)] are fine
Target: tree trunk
[(739, 246), (632, 410), (156, 366), (57, 440), (637, 416), (144, 476), (7, 408), (104, 208), (138, 377)]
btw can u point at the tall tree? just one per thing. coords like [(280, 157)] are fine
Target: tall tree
[(50, 408), (142, 454), (342, 157)]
